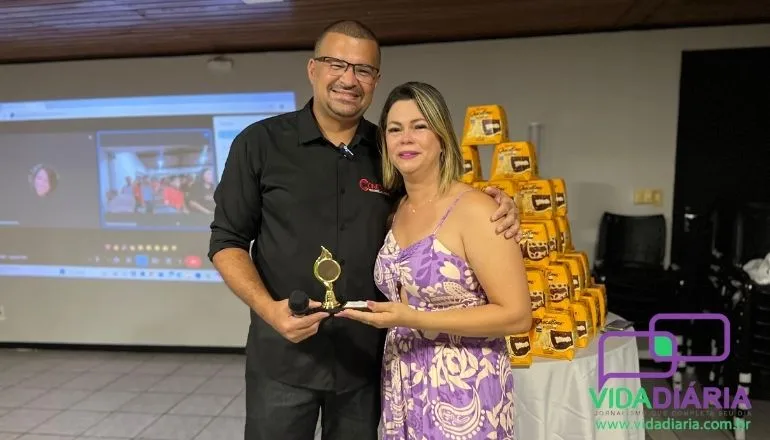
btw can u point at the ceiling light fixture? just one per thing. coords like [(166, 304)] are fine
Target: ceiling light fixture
[(254, 2)]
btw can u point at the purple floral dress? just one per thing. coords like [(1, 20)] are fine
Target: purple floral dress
[(439, 385)]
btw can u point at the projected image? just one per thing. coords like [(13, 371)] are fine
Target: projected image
[(48, 181), (157, 179), (117, 189), (43, 180), (200, 198)]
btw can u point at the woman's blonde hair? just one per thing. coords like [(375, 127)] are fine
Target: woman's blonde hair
[(435, 111)]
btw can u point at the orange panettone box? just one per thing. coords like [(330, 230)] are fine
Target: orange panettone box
[(485, 125), (471, 164), (514, 160), (535, 199), (560, 196)]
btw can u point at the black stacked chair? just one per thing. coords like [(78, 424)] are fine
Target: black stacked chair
[(699, 284), (629, 261), (738, 234), (749, 305), (705, 284)]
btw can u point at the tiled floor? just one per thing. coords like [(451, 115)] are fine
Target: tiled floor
[(47, 395), (82, 395)]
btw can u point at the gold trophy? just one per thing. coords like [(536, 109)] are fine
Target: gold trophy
[(327, 271)]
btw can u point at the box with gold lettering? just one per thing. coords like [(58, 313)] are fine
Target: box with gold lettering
[(514, 160)]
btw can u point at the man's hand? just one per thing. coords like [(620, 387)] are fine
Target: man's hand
[(508, 212), (294, 328)]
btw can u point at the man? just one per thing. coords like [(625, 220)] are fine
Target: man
[(294, 183)]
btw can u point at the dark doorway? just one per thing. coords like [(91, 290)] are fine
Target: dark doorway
[(723, 145)]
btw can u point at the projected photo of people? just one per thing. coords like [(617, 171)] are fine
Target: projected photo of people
[(200, 196), (157, 180)]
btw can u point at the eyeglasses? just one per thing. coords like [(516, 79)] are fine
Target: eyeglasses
[(364, 72)]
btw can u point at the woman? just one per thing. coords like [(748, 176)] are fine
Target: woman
[(455, 287), (43, 179)]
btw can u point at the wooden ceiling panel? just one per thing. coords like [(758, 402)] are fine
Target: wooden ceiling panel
[(704, 12), (47, 30)]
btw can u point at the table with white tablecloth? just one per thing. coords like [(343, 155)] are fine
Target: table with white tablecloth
[(553, 401)]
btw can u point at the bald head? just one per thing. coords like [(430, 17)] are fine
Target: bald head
[(344, 71), (349, 28)]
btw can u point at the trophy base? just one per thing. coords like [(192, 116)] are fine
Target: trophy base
[(356, 305), (352, 305)]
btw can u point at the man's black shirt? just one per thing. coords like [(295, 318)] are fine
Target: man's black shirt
[(292, 191)]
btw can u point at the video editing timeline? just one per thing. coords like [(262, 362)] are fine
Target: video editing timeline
[(109, 273), (159, 262), (118, 188)]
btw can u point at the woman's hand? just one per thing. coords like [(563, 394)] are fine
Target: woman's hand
[(385, 314), (507, 211)]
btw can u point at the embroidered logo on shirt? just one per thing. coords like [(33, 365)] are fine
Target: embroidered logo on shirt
[(368, 186)]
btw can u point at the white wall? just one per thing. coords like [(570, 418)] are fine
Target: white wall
[(607, 102)]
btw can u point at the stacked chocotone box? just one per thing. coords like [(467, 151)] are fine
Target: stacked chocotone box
[(568, 307)]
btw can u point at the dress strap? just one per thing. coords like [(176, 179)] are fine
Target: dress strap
[(449, 209)]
